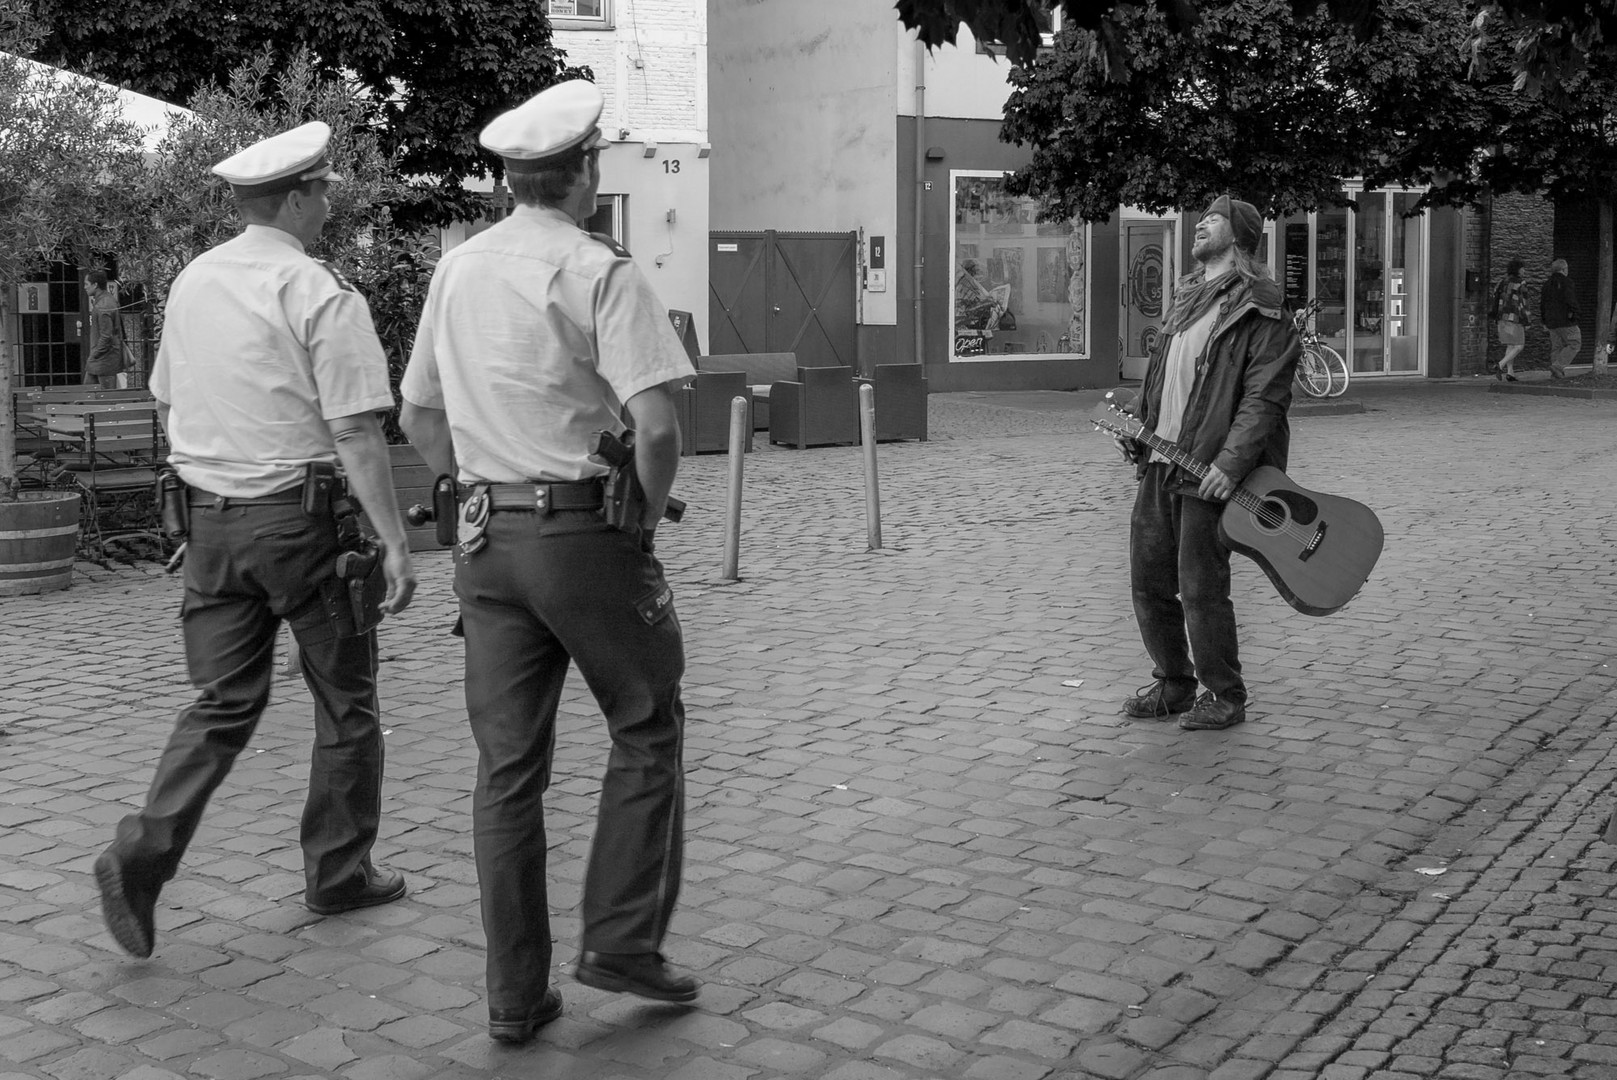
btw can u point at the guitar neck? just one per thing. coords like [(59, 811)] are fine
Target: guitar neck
[(1198, 469)]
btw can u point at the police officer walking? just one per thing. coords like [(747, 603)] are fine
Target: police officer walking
[(535, 335), (269, 374)]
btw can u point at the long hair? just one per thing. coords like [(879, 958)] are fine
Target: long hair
[(1250, 269)]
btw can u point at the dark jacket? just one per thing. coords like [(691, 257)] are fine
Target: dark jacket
[(1236, 416), (1557, 306)]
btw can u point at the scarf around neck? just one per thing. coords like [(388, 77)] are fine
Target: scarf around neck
[(1194, 295)]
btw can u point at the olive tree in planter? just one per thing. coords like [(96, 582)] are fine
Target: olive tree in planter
[(68, 164)]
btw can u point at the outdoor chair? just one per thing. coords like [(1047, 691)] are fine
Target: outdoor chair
[(113, 450), (704, 411), (900, 401), (819, 408)]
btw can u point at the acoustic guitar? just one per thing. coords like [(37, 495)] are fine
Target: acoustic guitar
[(1318, 550)]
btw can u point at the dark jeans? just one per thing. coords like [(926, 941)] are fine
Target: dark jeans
[(546, 588), (247, 567), (1180, 573)]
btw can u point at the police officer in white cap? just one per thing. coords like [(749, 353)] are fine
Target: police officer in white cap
[(536, 334), (268, 376)]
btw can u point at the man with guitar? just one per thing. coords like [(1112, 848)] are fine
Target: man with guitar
[(1217, 388)]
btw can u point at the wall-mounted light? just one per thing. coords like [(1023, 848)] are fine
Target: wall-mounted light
[(704, 150), (648, 148), (934, 153)]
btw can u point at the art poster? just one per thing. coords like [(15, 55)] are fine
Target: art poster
[(1005, 268), (1052, 275)]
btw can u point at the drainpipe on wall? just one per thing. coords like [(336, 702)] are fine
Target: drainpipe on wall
[(920, 190)]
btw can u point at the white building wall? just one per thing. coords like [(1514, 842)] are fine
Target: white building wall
[(961, 83), (651, 65), (804, 129)]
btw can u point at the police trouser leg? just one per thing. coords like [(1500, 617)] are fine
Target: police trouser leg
[(637, 858), (515, 669), (229, 648), (344, 806)]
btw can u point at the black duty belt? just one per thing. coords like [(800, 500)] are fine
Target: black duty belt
[(220, 502), (577, 495)]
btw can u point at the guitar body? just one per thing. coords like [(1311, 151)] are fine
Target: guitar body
[(1318, 550)]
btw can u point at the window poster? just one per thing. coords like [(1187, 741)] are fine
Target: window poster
[(1020, 286)]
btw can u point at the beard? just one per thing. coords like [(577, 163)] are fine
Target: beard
[(1212, 247)]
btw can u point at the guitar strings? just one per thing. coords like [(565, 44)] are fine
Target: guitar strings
[(1243, 498)]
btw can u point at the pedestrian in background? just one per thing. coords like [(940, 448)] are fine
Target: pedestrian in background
[(269, 373), (1509, 311), (1558, 311), (107, 350), (535, 336)]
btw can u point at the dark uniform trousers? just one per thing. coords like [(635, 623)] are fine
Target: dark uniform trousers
[(1180, 574), (546, 588), (248, 566)]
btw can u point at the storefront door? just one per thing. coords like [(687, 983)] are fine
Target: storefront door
[(1147, 275), (1370, 279)]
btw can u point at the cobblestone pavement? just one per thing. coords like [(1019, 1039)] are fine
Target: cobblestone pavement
[(922, 841)]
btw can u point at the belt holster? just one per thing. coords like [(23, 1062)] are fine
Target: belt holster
[(445, 509), (173, 504), (320, 485), (471, 521)]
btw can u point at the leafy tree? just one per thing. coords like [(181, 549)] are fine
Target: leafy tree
[(1252, 100), (1545, 41), (432, 72), (186, 209), (68, 167)]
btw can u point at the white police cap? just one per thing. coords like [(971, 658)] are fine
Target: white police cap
[(280, 162), (549, 125)]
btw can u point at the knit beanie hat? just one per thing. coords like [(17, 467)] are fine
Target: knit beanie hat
[(1245, 221)]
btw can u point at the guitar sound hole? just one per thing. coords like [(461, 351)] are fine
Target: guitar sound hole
[(1270, 515)]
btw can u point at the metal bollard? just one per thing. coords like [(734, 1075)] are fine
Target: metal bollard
[(740, 420), (867, 436)]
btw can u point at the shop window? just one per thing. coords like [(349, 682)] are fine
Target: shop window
[(1019, 286), (578, 14)]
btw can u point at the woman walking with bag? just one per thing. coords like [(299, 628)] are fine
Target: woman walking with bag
[(1510, 313)]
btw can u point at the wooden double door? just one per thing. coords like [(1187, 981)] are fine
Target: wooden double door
[(784, 292)]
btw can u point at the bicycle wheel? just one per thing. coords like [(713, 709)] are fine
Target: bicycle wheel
[(1338, 369), (1313, 376)]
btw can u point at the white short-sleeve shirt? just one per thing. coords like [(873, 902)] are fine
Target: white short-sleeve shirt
[(261, 346), (534, 335)]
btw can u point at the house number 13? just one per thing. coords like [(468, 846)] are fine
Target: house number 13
[(671, 165)]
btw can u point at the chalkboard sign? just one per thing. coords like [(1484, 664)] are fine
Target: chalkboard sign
[(1295, 262), (685, 327)]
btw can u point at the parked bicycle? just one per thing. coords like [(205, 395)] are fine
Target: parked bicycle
[(1321, 371)]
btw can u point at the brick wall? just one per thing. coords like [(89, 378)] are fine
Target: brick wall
[(1476, 334), (652, 67), (1522, 227)]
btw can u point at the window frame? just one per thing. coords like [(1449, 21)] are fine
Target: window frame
[(1083, 350), (603, 21)]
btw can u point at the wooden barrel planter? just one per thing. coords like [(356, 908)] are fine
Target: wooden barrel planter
[(38, 536)]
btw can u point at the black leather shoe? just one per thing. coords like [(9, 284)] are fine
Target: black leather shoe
[(373, 887), (126, 908), (1152, 702), (645, 974), (518, 1025), (1212, 713)]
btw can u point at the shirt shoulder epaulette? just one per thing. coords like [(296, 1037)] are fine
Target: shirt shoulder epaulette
[(617, 249), (342, 282)]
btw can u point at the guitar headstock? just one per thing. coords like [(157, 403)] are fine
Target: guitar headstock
[(1115, 413)]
